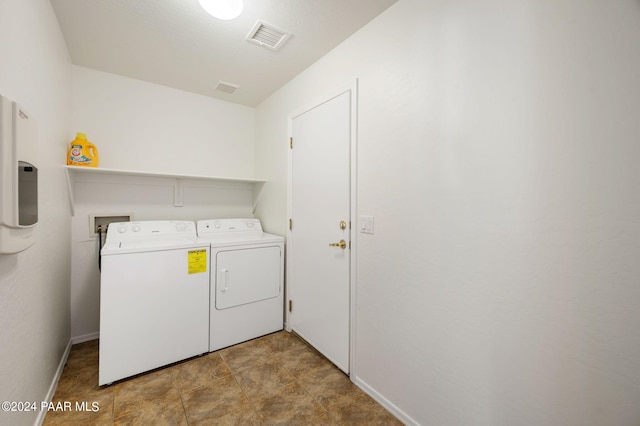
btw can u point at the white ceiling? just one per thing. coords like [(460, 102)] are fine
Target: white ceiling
[(175, 43)]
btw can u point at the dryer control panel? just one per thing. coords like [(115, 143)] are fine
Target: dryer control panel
[(226, 226)]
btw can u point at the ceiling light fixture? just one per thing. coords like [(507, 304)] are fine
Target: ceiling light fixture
[(222, 9)]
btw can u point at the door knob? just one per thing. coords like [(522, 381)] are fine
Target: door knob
[(342, 244)]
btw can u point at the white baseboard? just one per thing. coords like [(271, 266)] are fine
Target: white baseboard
[(392, 408), (54, 383), (85, 338)]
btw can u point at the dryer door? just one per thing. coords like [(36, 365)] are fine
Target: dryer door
[(247, 275)]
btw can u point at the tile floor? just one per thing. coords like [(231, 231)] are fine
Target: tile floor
[(273, 380)]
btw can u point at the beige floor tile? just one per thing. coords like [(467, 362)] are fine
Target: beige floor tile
[(242, 417), (328, 382), (245, 355), (263, 380), (292, 405), (302, 361), (84, 353), (363, 414), (221, 397), (276, 379), (200, 371), (76, 419), (323, 420), (165, 411), (282, 342), (345, 402), (75, 384), (147, 389)]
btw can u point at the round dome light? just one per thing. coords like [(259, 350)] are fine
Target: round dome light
[(222, 9)]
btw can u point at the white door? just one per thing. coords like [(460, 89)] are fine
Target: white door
[(319, 272)]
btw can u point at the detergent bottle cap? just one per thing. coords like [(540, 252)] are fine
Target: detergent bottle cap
[(81, 135)]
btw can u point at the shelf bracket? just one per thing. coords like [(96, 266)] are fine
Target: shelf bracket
[(178, 193), (70, 192), (257, 194)]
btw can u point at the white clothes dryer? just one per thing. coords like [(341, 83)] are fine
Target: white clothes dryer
[(154, 297), (247, 280)]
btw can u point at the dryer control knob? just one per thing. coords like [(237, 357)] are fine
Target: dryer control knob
[(181, 226), (135, 228), (122, 229)]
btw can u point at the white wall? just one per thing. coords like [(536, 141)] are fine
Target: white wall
[(497, 150), (35, 71), (146, 127), (143, 126)]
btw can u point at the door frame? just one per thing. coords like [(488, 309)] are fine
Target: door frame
[(352, 89)]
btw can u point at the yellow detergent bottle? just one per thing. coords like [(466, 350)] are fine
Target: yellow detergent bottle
[(82, 152)]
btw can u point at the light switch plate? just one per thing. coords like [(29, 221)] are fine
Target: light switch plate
[(366, 224)]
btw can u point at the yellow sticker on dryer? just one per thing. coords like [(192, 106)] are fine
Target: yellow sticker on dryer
[(197, 261)]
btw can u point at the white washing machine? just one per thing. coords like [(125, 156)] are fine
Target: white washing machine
[(247, 280), (154, 297)]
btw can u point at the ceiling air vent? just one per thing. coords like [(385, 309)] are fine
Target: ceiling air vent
[(266, 35), (226, 87)]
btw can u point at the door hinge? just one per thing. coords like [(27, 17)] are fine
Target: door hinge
[(290, 224), (290, 305), (291, 142)]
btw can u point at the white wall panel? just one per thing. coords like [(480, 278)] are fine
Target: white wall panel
[(35, 71), (497, 150), (146, 127)]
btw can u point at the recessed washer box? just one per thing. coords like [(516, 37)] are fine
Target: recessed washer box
[(104, 220)]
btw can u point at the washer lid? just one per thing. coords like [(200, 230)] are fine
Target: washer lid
[(151, 244), (131, 237)]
